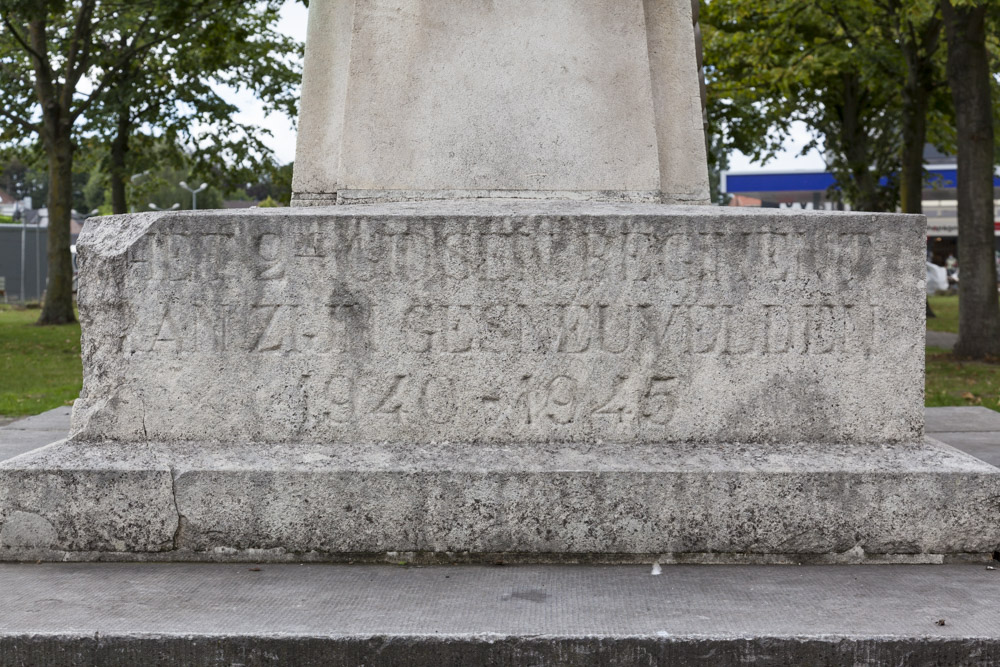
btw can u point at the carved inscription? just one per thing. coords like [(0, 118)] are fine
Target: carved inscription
[(372, 328), (621, 329), (511, 251)]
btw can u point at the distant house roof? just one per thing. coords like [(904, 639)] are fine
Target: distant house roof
[(6, 198), (239, 203)]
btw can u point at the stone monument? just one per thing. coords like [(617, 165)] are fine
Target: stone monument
[(512, 343)]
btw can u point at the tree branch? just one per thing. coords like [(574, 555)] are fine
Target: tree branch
[(23, 42), (79, 51), (128, 55), (20, 120)]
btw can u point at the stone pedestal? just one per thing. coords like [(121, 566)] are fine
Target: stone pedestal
[(501, 376), (528, 381)]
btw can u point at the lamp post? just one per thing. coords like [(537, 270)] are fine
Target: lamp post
[(157, 208), (194, 193)]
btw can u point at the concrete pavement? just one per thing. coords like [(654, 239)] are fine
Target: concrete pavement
[(975, 430), (31, 433), (118, 614), (941, 339)]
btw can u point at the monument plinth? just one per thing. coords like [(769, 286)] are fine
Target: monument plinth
[(526, 377)]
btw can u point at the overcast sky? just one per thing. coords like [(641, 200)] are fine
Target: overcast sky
[(293, 22)]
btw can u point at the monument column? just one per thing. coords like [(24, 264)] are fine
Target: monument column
[(573, 99)]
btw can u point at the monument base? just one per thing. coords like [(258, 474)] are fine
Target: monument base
[(826, 503)]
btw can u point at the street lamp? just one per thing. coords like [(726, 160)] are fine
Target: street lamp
[(157, 208), (194, 194)]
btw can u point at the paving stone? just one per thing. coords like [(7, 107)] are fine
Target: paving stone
[(114, 614), (56, 419), (984, 445), (956, 419), (941, 339)]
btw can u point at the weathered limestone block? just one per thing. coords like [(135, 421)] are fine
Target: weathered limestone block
[(87, 502), (918, 502), (519, 379), (422, 99), (517, 322)]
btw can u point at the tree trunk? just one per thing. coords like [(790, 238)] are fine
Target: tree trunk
[(969, 78), (916, 99), (119, 172), (863, 193), (919, 53), (58, 306)]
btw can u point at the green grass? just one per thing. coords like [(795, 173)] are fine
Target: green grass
[(40, 367), (946, 309), (963, 383), (953, 382)]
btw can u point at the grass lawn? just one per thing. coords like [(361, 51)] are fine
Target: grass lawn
[(952, 382), (946, 309), (39, 366)]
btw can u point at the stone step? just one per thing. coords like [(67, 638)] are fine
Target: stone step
[(698, 503), (130, 614)]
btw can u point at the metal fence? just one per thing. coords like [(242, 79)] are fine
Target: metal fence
[(23, 263)]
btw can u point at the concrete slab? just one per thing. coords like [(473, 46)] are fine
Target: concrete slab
[(941, 339), (112, 614), (14, 443), (984, 445), (955, 419), (53, 420), (29, 433)]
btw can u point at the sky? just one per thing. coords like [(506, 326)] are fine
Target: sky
[(293, 23)]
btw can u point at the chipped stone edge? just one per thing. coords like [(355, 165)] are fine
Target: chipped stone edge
[(148, 461)]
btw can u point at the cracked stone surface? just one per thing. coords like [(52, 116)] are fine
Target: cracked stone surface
[(689, 502), (544, 380), (494, 322)]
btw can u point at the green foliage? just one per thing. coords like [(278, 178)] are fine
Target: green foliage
[(269, 203), (40, 367), (148, 73), (845, 68), (276, 184), (22, 175), (161, 188)]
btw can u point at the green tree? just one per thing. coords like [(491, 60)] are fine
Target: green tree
[(69, 67), (862, 74), (165, 106), (967, 23)]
